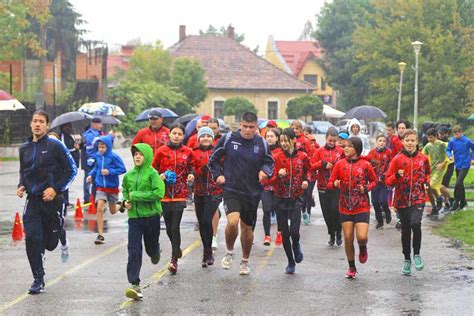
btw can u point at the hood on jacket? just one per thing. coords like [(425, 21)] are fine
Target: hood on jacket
[(147, 152), (354, 121), (107, 140)]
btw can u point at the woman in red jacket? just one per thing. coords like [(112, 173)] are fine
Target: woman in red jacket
[(267, 196), (289, 181), (379, 157), (207, 194), (173, 163), (409, 173), (355, 177)]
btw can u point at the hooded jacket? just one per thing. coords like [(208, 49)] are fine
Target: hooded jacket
[(110, 161), (320, 160), (353, 174), (155, 139), (203, 182), (409, 188), (297, 170), (353, 122), (380, 160), (143, 186), (44, 164), (462, 149), (176, 158)]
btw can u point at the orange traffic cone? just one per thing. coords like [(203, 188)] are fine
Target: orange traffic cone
[(17, 233), (92, 210), (78, 214)]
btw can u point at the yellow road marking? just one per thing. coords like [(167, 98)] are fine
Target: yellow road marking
[(264, 261), (64, 275), (155, 278)]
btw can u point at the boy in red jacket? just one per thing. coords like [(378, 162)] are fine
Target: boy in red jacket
[(409, 173), (355, 177)]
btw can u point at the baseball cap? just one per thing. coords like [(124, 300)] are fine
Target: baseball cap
[(154, 113), (96, 120)]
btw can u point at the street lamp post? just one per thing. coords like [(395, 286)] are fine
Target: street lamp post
[(402, 66), (416, 46)]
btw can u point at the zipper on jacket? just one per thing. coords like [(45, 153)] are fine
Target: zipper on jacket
[(350, 186), (175, 164), (33, 167), (207, 177), (411, 181), (291, 176), (136, 188), (103, 176)]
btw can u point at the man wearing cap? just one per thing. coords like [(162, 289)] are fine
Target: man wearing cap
[(154, 135), (89, 137)]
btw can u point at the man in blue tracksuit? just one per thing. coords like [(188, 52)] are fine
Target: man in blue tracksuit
[(46, 170), (461, 147), (247, 161), (90, 136)]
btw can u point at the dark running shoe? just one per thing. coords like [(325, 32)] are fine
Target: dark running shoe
[(37, 287), (99, 240), (290, 268), (173, 266), (331, 241), (298, 253), (379, 225), (156, 258)]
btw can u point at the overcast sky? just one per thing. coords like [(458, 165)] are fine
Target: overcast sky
[(118, 21)]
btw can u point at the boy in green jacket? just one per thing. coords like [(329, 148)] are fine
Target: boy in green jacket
[(142, 190)]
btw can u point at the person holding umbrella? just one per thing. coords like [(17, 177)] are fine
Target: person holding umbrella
[(89, 152), (154, 135), (65, 136)]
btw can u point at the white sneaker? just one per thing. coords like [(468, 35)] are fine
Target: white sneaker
[(214, 243), (227, 261), (244, 267), (65, 251)]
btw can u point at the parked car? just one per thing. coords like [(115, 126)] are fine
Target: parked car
[(320, 127)]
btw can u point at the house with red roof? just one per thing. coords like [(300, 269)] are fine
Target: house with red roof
[(232, 69), (302, 59)]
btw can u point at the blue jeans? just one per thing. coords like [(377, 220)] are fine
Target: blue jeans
[(148, 229)]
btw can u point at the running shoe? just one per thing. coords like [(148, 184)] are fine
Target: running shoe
[(388, 217), (398, 225), (65, 252), (419, 264), (278, 239), (244, 267), (297, 252), (210, 257), (331, 241), (290, 268), (226, 262), (363, 255), (267, 241), (121, 208), (37, 287), (339, 240), (173, 266), (406, 269), (379, 225), (134, 292), (351, 273), (99, 240), (306, 218), (204, 259), (215, 245), (462, 205), (156, 258)]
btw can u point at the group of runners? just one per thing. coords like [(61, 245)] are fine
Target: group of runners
[(279, 167)]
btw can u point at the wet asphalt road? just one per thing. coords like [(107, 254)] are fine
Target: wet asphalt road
[(93, 280)]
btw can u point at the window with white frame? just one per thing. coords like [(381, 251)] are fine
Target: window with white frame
[(272, 110)]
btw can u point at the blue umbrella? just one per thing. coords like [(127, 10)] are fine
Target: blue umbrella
[(191, 126), (70, 117), (165, 113)]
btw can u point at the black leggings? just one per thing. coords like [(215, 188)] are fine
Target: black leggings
[(289, 209), (172, 213), (380, 202), (206, 206), (329, 200), (269, 206), (410, 219), (459, 191), (308, 198)]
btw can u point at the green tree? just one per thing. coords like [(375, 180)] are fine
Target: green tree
[(237, 106), (334, 28), (150, 63), (304, 106), (212, 30), (443, 61), (188, 76)]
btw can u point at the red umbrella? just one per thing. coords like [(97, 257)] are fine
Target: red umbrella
[(9, 103)]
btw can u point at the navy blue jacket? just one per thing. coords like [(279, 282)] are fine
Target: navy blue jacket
[(110, 161), (461, 148), (45, 163), (243, 159), (90, 137)]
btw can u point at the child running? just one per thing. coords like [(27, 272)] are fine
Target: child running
[(379, 157), (409, 173), (268, 199), (207, 194), (142, 190), (108, 166), (290, 180), (323, 161), (355, 177), (173, 163)]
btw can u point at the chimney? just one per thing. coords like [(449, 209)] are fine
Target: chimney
[(230, 32), (182, 32)]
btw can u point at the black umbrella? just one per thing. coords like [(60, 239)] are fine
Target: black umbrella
[(365, 112), (70, 117), (185, 119), (107, 119)]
